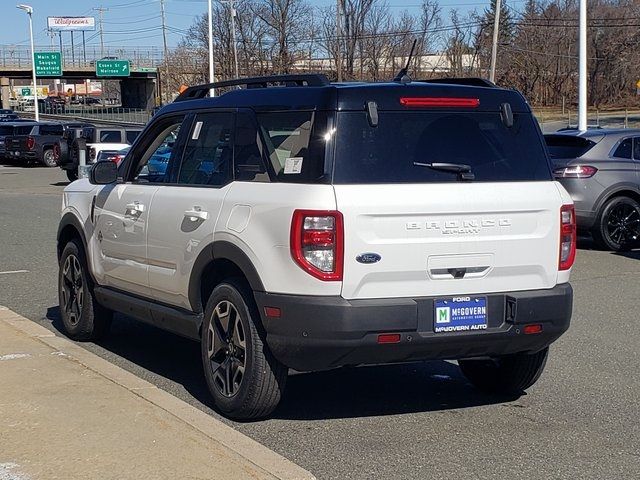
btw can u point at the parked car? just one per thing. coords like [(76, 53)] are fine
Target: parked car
[(599, 169), (7, 113), (52, 105), (115, 156), (308, 225), (9, 129), (36, 146), (110, 138)]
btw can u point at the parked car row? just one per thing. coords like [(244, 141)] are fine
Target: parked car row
[(95, 139), (56, 143)]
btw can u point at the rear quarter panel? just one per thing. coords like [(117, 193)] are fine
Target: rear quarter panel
[(256, 217)]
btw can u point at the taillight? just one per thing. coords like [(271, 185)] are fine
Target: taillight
[(575, 171), (440, 102), (317, 242), (92, 153), (56, 151), (31, 142), (567, 237)]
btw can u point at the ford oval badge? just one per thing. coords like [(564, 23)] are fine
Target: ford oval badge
[(368, 258)]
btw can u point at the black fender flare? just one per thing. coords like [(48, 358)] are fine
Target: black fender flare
[(217, 250)]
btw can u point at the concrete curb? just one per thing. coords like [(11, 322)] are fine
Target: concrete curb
[(243, 446)]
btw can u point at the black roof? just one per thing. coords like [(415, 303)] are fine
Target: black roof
[(314, 93)]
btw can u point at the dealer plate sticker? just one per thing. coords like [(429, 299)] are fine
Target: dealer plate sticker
[(460, 314)]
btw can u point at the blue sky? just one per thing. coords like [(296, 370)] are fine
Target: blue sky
[(136, 23)]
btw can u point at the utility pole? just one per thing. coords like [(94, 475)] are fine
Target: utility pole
[(212, 92), (100, 11), (166, 52), (582, 69), (233, 34), (338, 37), (494, 46)]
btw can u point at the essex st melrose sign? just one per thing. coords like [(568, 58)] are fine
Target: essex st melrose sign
[(113, 68), (48, 64)]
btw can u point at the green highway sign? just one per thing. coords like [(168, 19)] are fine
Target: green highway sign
[(48, 64), (113, 68), (26, 92)]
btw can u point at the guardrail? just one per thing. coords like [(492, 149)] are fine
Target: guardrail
[(107, 115), (552, 122)]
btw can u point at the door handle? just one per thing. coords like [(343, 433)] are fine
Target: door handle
[(196, 214), (134, 209)]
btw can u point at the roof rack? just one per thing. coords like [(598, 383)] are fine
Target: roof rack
[(470, 81), (309, 80)]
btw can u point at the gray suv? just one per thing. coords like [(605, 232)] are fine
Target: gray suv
[(600, 170)]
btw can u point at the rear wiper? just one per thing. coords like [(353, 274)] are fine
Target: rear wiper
[(464, 171)]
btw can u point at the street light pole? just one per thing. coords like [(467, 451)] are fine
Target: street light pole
[(29, 10), (212, 92), (494, 45), (582, 69)]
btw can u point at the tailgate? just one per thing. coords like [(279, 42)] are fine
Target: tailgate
[(16, 143), (449, 239)]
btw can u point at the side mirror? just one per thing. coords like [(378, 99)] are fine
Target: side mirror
[(103, 172)]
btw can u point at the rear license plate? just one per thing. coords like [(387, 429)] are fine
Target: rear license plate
[(460, 314)]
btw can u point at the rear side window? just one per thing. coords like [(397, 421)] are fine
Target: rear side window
[(295, 144), (624, 149), (110, 136), (567, 146), (56, 130), (132, 135), (388, 153), (23, 130)]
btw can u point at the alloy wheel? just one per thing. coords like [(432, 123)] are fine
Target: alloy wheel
[(623, 224), (72, 289), (226, 344)]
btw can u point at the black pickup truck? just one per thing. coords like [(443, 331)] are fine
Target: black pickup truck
[(36, 146), (9, 129)]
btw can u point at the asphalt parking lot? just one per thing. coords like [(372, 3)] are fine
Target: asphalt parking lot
[(411, 421)]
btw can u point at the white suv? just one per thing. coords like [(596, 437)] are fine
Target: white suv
[(307, 225)]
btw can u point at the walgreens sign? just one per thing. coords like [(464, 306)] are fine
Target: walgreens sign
[(71, 23)]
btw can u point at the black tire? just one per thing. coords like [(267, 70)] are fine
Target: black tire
[(244, 379), (72, 175), (82, 317), (618, 225), (508, 375), (48, 158)]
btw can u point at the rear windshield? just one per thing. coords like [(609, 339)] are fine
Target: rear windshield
[(51, 130), (567, 146), (387, 153), (110, 136), (13, 130)]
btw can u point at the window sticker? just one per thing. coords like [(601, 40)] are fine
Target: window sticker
[(293, 165), (196, 131)]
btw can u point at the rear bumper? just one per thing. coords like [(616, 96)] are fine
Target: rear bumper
[(22, 155), (315, 333)]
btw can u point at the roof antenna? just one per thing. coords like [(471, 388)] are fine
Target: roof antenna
[(402, 75)]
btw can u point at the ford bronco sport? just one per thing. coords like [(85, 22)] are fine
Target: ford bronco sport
[(306, 225)]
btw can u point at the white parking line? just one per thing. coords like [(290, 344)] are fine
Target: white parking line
[(14, 271)]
